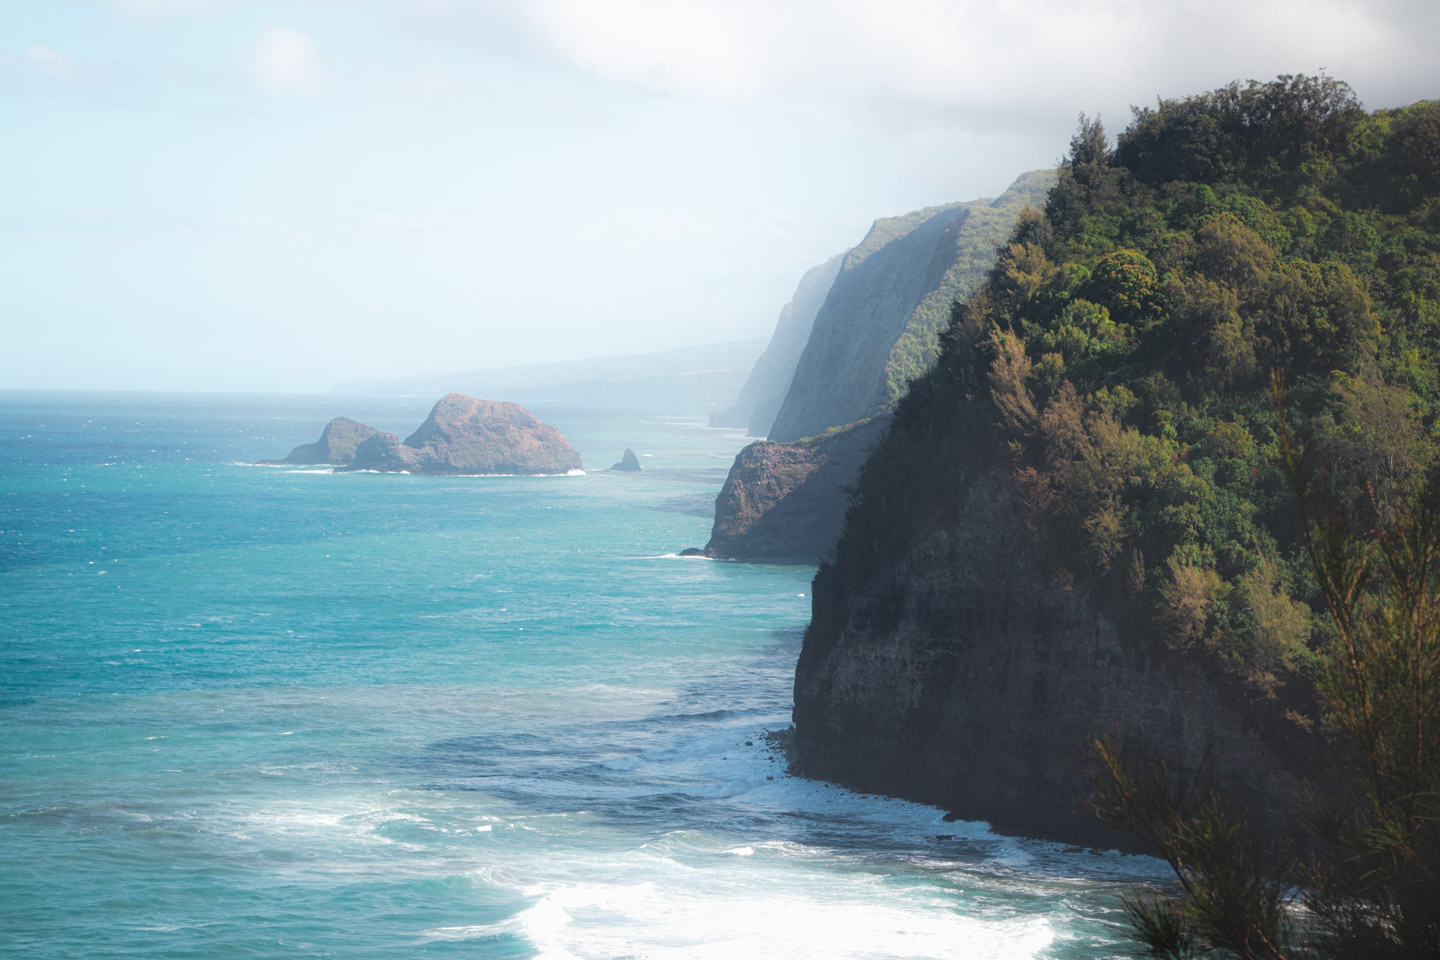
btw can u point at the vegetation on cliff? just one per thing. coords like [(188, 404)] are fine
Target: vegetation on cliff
[(1372, 882), (1118, 361), (1116, 368)]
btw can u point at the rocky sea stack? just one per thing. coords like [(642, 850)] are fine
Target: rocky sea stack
[(629, 463), (464, 435), (336, 446)]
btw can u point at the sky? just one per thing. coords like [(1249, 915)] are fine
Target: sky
[(246, 195)]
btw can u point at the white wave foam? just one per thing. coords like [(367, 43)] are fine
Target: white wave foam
[(760, 917)]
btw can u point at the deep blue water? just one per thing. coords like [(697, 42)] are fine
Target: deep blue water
[(259, 712)]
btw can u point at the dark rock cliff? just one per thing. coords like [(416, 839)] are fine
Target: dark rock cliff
[(966, 676), (787, 501), (336, 446), (464, 435)]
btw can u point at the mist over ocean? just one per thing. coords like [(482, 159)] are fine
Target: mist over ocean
[(266, 712)]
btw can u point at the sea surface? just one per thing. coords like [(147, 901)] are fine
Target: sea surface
[(253, 711)]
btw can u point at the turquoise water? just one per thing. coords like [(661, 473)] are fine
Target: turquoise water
[(261, 712)]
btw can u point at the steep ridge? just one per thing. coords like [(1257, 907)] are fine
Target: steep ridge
[(880, 323), (1076, 525), (765, 389), (879, 326)]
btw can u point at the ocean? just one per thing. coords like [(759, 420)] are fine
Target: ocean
[(254, 711)]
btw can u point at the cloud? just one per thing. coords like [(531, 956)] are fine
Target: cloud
[(284, 61), (980, 56)]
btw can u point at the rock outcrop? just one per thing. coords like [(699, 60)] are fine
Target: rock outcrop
[(964, 674), (765, 389), (787, 501), (464, 435), (629, 463), (881, 321), (336, 446)]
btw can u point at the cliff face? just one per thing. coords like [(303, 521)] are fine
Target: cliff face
[(464, 435), (787, 501), (1080, 521), (881, 320), (765, 389), (336, 446), (965, 676)]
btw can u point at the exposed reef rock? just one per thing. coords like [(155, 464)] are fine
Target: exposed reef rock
[(765, 389), (965, 675), (787, 501), (881, 321), (336, 446), (629, 463), (464, 435)]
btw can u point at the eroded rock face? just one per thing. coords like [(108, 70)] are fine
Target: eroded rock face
[(336, 446), (787, 501), (464, 435), (965, 676), (629, 463)]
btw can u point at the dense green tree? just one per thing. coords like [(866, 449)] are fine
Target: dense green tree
[(1116, 367), (1370, 885)]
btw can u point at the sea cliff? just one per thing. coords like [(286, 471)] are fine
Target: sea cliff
[(1078, 524), (966, 675), (787, 501)]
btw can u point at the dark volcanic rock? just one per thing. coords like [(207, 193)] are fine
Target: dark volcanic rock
[(464, 435), (787, 501), (337, 444), (965, 675), (629, 462)]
